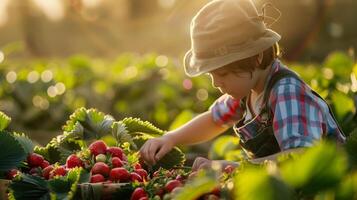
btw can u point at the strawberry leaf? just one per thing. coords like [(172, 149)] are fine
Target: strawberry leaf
[(12, 152), (29, 187), (4, 121), (134, 125)]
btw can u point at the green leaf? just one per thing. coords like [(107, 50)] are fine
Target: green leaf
[(181, 119), (202, 184), (30, 187), (4, 121), (121, 134), (174, 158), (65, 187), (26, 142), (342, 104), (340, 63), (256, 183), (12, 152), (319, 168), (221, 146), (134, 125), (351, 147)]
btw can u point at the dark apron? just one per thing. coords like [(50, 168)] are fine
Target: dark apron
[(264, 142)]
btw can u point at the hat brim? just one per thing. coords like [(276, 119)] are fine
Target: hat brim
[(194, 66)]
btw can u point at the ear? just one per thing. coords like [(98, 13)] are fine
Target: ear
[(260, 58)]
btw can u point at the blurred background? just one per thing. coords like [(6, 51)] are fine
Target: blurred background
[(124, 57)]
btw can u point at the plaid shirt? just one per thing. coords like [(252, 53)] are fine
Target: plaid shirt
[(300, 117)]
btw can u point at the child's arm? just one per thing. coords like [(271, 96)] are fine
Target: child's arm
[(201, 128), (275, 156)]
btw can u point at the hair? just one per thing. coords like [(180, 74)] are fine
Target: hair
[(249, 64)]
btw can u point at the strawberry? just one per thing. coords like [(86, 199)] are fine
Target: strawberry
[(172, 185), (35, 171), (97, 178), (100, 158), (216, 191), (138, 194), (137, 166), (180, 178), (98, 147), (12, 173), (144, 198), (45, 164), (74, 161), (100, 168), (228, 169), (46, 172), (116, 162), (119, 174), (135, 177), (58, 171), (142, 173), (116, 152), (34, 160)]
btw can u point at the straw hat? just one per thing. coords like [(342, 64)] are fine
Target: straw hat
[(224, 31)]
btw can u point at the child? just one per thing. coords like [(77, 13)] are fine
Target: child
[(270, 108)]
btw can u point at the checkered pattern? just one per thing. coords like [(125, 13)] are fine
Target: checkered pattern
[(299, 116)]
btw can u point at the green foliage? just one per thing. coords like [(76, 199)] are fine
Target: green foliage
[(351, 148), (30, 187), (222, 146), (88, 124), (4, 121), (12, 152), (320, 168), (25, 142), (203, 183), (134, 125), (256, 183)]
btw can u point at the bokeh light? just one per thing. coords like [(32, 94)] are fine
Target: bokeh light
[(161, 61), (46, 76), (40, 102), (187, 84), (60, 87), (53, 9), (2, 56), (166, 4), (202, 94), (131, 72), (52, 91), (11, 77), (33, 77)]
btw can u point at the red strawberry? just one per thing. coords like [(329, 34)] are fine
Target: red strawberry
[(116, 152), (97, 178), (142, 173), (46, 172), (45, 164), (35, 171), (135, 177), (58, 171), (138, 194), (216, 191), (12, 173), (98, 147), (137, 166), (144, 198), (172, 185), (119, 174), (74, 161), (100, 168), (116, 162), (34, 160), (229, 169), (180, 178)]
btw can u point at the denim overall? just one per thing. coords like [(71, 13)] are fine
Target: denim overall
[(264, 142)]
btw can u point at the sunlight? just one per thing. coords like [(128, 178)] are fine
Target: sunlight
[(3, 11), (91, 3), (53, 9)]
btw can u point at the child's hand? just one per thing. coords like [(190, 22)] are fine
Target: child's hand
[(154, 149), (204, 163)]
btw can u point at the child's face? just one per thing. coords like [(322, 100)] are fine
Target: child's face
[(237, 84)]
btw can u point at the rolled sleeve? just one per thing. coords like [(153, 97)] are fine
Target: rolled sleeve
[(226, 111)]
